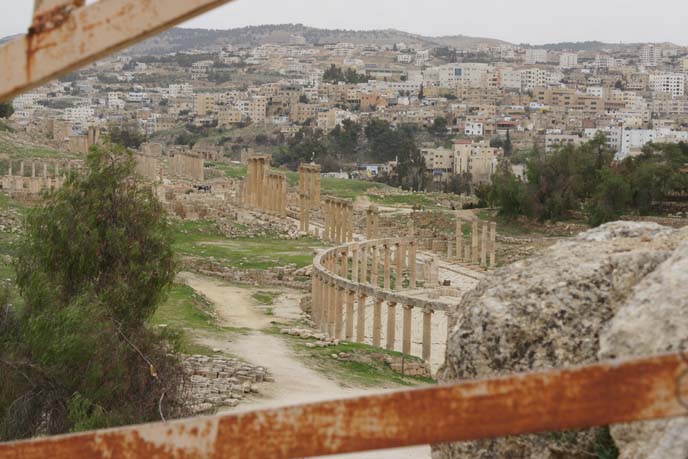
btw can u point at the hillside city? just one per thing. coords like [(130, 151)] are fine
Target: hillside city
[(213, 222)]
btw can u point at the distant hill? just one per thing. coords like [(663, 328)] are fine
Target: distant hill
[(585, 46), (179, 39)]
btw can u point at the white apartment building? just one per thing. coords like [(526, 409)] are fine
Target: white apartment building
[(634, 139), (604, 62), (26, 101), (536, 56), (568, 60), (650, 55), (473, 129), (473, 75), (405, 58), (535, 77), (180, 90), (509, 78), (79, 115), (114, 102), (670, 83)]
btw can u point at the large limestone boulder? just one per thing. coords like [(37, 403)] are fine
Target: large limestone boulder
[(582, 299)]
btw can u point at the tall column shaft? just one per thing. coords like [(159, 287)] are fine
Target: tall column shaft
[(354, 265), (459, 239), (474, 241), (412, 265), (374, 268), (406, 339), (387, 267), (483, 246), (349, 315), (363, 266), (360, 318), (427, 334), (391, 325), (493, 244), (377, 322)]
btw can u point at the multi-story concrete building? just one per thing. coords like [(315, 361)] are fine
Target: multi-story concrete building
[(476, 158), (568, 60), (438, 160), (536, 56), (650, 55), (670, 83)]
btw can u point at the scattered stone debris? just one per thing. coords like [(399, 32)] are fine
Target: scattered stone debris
[(220, 382), (322, 340)]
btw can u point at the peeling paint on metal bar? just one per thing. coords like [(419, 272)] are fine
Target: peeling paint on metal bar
[(65, 36), (575, 398)]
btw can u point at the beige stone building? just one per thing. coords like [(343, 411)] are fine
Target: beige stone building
[(476, 158)]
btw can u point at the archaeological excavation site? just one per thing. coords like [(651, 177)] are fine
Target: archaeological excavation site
[(282, 242)]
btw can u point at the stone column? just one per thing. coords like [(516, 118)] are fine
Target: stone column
[(314, 297), (325, 305), (349, 315), (377, 322), (339, 313), (450, 247), (374, 268), (363, 274), (391, 324), (493, 244), (57, 168), (9, 169), (406, 339), (412, 264), (33, 168), (345, 264), (474, 241), (399, 277), (459, 239), (334, 316), (360, 318), (427, 334), (387, 268), (354, 264), (483, 246)]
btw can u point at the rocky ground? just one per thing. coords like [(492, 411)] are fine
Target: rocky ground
[(615, 291)]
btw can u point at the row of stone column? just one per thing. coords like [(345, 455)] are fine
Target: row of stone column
[(483, 247), (339, 220), (309, 183), (256, 177), (275, 199), (372, 222), (339, 312), (44, 164)]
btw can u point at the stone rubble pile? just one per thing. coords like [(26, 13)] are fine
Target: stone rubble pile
[(220, 382), (322, 340)]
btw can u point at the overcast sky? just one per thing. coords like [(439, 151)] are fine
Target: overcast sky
[(517, 21)]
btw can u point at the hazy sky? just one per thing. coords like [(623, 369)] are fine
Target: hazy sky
[(518, 21)]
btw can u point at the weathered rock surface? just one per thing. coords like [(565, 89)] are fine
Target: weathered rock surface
[(583, 299)]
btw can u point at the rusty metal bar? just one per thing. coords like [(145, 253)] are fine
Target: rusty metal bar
[(581, 397), (66, 35)]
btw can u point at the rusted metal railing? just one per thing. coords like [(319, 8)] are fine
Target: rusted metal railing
[(582, 397), (65, 35)]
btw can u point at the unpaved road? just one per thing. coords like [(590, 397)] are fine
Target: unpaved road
[(294, 382)]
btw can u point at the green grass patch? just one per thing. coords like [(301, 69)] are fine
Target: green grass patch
[(203, 239), (365, 368), (266, 298), (186, 309), (349, 189), (411, 199)]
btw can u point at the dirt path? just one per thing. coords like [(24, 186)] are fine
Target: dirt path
[(294, 382)]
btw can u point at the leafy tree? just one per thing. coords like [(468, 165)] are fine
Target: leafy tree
[(6, 110), (439, 126), (127, 135), (95, 262), (611, 198)]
